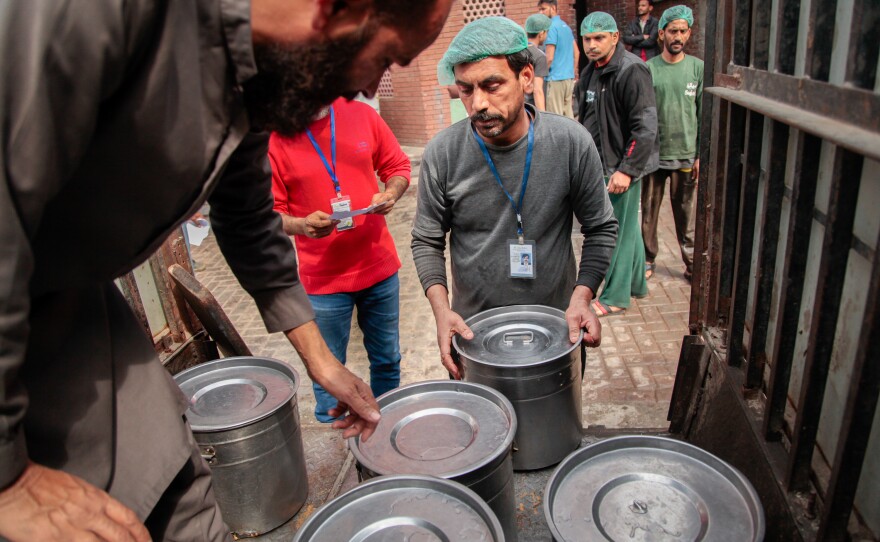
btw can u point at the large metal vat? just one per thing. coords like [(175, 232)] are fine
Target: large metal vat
[(523, 351), (455, 430), (650, 488), (391, 508), (245, 419)]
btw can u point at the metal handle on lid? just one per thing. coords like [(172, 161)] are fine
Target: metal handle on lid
[(208, 454), (524, 337)]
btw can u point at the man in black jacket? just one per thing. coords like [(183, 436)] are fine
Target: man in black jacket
[(616, 104), (641, 32)]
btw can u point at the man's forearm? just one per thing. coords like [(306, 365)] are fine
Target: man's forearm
[(310, 346), (577, 58), (582, 293), (550, 53), (293, 225), (438, 297), (396, 186)]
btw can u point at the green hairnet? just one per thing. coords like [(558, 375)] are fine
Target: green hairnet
[(489, 36), (598, 21), (537, 23), (674, 13)]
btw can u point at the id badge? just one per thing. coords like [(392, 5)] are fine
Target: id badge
[(522, 259), (342, 204)]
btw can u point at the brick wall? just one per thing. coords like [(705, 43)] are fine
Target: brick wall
[(419, 107)]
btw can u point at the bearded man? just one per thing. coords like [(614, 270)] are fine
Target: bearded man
[(504, 185), (678, 85), (119, 119)]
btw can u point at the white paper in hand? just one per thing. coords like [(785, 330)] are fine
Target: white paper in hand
[(348, 214)]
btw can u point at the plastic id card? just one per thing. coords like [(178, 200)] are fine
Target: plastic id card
[(342, 204), (522, 259)]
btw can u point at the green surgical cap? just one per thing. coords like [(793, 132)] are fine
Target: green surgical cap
[(675, 13), (537, 23), (489, 36), (598, 21)]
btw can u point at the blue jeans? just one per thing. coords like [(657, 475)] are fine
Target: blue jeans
[(378, 315)]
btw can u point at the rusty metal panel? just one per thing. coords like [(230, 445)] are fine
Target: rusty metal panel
[(725, 426)]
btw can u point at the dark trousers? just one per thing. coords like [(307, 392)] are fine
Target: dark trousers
[(682, 189)]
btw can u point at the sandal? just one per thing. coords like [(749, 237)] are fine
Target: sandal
[(649, 270), (601, 309)]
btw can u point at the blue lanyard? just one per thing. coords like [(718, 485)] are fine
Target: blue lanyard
[(330, 170), (517, 207)]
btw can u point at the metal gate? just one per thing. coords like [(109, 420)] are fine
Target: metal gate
[(782, 372)]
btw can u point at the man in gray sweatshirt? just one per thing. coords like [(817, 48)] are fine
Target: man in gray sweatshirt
[(504, 184)]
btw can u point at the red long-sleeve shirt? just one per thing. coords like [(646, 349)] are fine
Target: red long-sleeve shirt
[(354, 259)]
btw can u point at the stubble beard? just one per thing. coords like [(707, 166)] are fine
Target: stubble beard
[(504, 126)]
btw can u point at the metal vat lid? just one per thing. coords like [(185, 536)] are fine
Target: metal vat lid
[(650, 488), (404, 508), (444, 428), (517, 335), (233, 392)]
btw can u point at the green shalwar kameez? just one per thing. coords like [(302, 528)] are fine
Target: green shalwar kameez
[(626, 274)]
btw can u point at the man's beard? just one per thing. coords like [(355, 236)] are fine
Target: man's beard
[(498, 129), (669, 46), (294, 82)]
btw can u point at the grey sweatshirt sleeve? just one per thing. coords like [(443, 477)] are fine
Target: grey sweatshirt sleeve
[(431, 223), (596, 216)]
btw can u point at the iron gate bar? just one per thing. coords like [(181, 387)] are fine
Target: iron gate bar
[(708, 138), (760, 46), (858, 418), (774, 189), (857, 107), (748, 203), (863, 51), (842, 134), (819, 34), (742, 26), (845, 180), (736, 130), (786, 44), (803, 193)]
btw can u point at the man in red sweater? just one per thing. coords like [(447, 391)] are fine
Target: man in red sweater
[(349, 262)]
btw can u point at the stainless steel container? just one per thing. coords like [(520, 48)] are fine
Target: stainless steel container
[(650, 488), (391, 508), (245, 419), (523, 351), (455, 430)]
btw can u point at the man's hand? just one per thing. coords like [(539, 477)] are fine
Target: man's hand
[(354, 396), (381, 197), (47, 504), (449, 323), (619, 183), (318, 224), (580, 316), (695, 173)]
